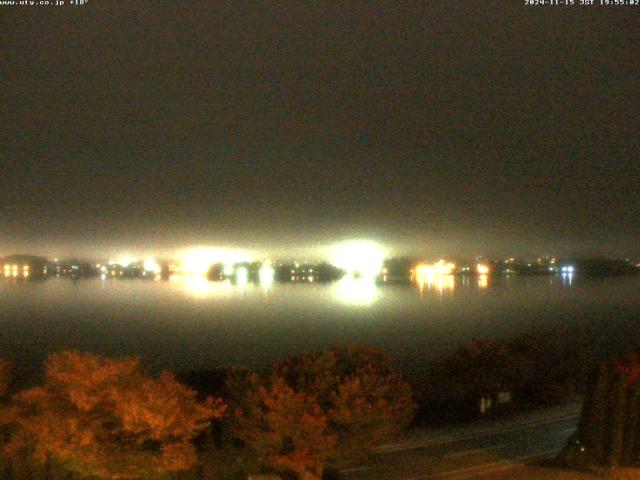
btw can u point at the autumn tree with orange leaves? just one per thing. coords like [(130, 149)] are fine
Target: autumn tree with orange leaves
[(345, 400), (285, 428), (364, 398), (107, 418)]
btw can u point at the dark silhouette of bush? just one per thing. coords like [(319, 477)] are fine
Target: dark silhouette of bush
[(608, 432), (539, 368)]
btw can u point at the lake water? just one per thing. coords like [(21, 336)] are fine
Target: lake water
[(192, 324)]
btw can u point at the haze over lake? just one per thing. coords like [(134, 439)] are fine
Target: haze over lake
[(192, 324)]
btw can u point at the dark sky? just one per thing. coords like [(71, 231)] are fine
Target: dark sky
[(445, 127)]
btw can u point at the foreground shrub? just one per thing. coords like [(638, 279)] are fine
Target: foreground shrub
[(107, 418), (609, 429), (287, 429), (364, 399), (346, 399), (538, 368)]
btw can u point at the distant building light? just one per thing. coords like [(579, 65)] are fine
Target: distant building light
[(242, 276), (125, 261), (151, 265), (358, 258), (482, 269), (439, 268), (267, 274)]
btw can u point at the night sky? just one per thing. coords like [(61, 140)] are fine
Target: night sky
[(451, 127)]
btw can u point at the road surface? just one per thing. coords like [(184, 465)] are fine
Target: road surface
[(473, 451)]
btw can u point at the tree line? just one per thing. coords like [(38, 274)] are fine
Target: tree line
[(306, 417), (109, 418)]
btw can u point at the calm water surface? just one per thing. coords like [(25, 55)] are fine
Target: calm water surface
[(187, 324)]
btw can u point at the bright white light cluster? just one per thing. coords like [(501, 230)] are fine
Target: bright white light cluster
[(358, 258), (198, 261), (356, 291), (267, 274), (123, 261), (152, 265)]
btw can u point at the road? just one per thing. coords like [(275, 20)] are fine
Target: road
[(473, 451)]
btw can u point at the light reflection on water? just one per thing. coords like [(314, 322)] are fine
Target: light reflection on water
[(347, 291), (198, 287), (194, 323), (440, 285), (567, 279), (356, 291)]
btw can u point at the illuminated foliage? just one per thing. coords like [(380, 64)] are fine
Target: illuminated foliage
[(284, 427), (352, 393), (364, 399), (322, 373), (106, 418), (367, 408)]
